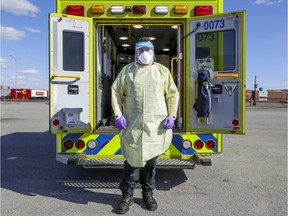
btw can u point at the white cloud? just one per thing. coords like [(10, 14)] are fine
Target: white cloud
[(267, 2), (20, 7), (11, 34), (260, 1), (3, 63), (30, 71), (32, 30), (13, 77)]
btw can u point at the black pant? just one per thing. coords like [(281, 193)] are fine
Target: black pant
[(132, 175)]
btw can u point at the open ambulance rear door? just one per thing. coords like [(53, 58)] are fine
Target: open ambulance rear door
[(71, 74), (216, 74)]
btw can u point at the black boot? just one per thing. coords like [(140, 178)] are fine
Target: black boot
[(125, 204), (150, 202)]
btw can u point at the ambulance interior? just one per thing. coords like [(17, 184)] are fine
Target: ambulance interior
[(116, 48)]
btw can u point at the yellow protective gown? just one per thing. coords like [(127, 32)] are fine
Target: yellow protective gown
[(150, 95)]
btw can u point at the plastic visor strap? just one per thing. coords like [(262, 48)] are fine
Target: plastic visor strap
[(144, 44)]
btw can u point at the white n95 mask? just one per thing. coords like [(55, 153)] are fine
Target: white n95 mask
[(145, 58)]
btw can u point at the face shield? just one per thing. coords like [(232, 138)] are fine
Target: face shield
[(144, 53)]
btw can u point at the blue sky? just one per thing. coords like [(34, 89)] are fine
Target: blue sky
[(24, 41)]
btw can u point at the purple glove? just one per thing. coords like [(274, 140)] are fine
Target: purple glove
[(168, 123), (120, 123)]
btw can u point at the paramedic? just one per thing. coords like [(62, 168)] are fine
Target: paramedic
[(145, 118)]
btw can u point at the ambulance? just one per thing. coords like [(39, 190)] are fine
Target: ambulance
[(91, 41)]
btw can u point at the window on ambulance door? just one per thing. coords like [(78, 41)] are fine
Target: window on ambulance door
[(73, 51), (217, 45)]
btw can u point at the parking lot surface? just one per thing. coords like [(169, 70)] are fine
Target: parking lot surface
[(249, 179)]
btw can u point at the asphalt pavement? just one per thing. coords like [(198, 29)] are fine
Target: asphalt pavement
[(249, 179)]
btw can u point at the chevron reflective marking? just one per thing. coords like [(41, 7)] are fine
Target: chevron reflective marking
[(219, 143), (73, 137), (172, 150), (103, 139), (206, 137), (177, 141), (111, 146), (107, 144), (119, 152), (59, 142)]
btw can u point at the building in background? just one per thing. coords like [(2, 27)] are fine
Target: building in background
[(268, 95), (23, 94)]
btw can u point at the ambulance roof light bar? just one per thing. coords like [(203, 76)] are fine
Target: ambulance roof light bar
[(117, 9), (181, 9), (139, 9), (98, 9), (136, 9), (161, 9), (203, 10), (77, 10)]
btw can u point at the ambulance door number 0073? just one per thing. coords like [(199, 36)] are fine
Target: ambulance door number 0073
[(214, 24)]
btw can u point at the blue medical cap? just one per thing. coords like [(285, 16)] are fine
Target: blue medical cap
[(144, 44)]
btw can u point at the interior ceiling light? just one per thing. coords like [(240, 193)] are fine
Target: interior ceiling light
[(125, 45), (137, 26), (123, 38), (166, 49), (152, 38), (174, 26)]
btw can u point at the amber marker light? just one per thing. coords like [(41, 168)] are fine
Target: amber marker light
[(98, 9), (181, 9)]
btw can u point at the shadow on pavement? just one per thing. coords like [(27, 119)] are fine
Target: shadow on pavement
[(28, 167)]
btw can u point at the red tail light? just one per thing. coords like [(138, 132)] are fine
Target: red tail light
[(68, 144), (139, 9), (80, 144), (76, 10), (210, 144), (235, 122), (56, 122), (198, 144), (203, 10)]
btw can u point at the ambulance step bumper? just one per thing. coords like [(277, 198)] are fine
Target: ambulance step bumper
[(117, 163)]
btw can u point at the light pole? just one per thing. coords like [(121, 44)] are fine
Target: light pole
[(255, 88), (15, 75)]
